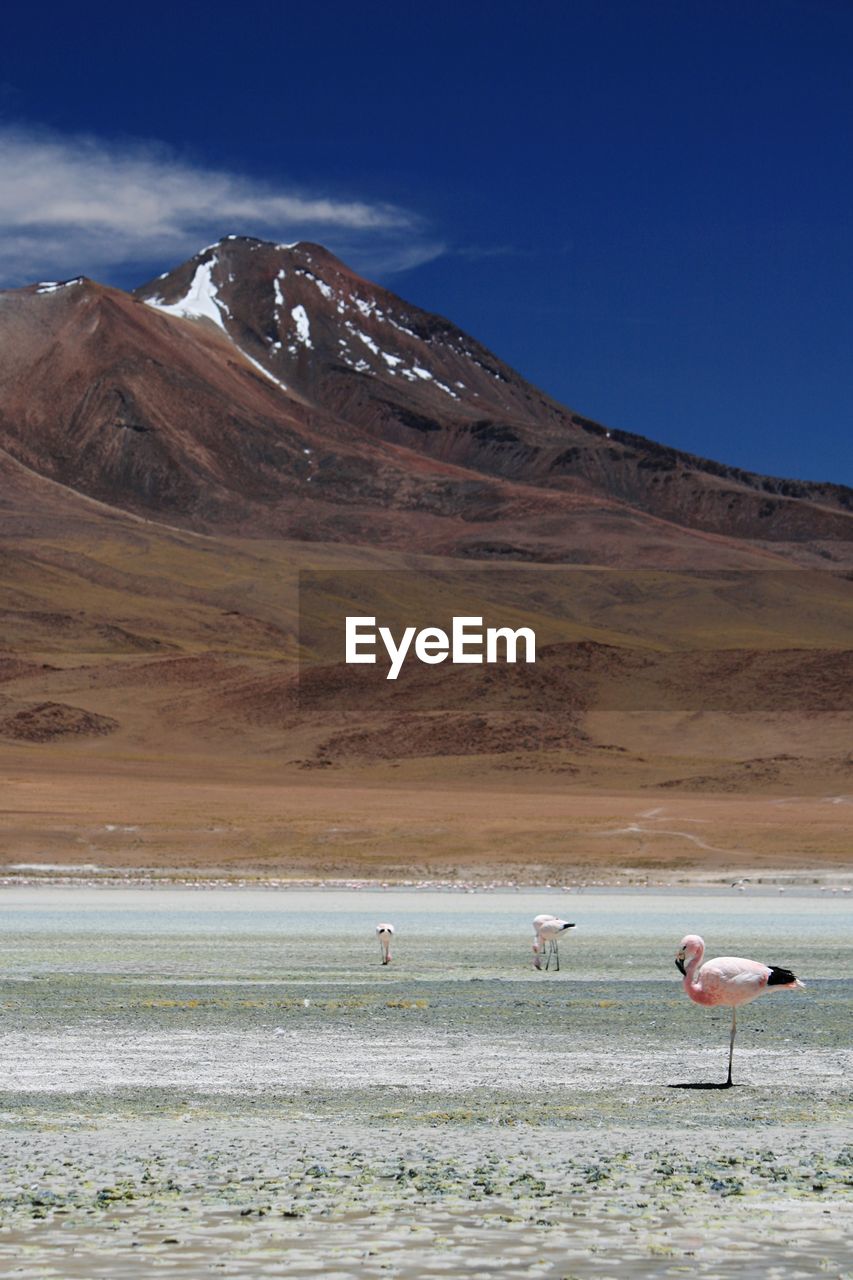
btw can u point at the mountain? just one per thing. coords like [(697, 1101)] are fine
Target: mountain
[(173, 460), (268, 390)]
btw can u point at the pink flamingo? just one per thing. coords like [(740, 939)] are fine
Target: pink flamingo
[(728, 980), (385, 933), (546, 930)]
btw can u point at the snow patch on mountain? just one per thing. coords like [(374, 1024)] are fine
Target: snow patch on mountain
[(260, 368), (368, 341), (201, 300), (326, 290), (303, 327), (51, 286), (401, 327)]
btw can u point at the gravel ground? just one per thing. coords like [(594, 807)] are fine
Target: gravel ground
[(227, 1084)]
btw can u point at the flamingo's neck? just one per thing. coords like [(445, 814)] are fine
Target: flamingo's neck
[(690, 972)]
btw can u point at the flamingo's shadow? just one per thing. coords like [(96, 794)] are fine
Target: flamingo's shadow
[(699, 1085)]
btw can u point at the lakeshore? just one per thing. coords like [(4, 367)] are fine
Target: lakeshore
[(224, 1081)]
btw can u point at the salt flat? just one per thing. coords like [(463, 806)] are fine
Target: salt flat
[(216, 1081)]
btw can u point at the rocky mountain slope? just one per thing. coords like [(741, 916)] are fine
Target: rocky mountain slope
[(268, 390), (172, 460)]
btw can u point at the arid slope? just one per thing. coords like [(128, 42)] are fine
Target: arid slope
[(171, 462)]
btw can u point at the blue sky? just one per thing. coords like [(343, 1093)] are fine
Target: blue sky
[(643, 205)]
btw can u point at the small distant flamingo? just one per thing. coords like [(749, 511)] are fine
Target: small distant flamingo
[(546, 930), (385, 933), (729, 980)]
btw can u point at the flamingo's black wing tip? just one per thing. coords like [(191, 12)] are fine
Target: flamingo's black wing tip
[(780, 977)]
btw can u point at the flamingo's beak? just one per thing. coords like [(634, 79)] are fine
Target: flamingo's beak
[(679, 963)]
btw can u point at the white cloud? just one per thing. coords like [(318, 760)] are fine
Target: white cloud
[(72, 205)]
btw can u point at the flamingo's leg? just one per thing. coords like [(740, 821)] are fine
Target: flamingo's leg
[(557, 954), (547, 955), (732, 1044)]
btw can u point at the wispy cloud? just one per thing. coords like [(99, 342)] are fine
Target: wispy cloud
[(480, 252), (71, 205)]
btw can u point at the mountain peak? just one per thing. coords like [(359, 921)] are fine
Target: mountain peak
[(411, 378), (268, 386), (302, 314), (56, 286), (237, 248)]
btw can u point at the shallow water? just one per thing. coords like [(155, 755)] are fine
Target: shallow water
[(328, 935), (211, 1081)]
